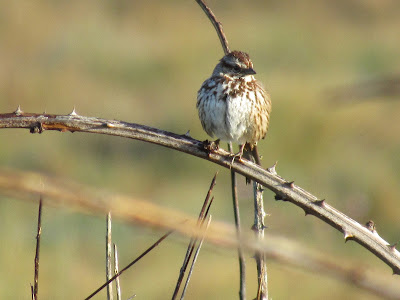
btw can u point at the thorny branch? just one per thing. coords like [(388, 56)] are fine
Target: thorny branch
[(284, 190)]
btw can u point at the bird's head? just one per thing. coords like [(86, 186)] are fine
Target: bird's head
[(235, 64)]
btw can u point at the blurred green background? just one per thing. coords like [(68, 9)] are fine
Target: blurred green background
[(143, 62)]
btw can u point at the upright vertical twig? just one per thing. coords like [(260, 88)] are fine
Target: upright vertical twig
[(242, 262), (108, 258), (258, 227), (35, 287), (116, 267)]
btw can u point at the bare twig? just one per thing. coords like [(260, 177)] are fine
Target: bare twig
[(217, 25), (116, 270), (203, 214), (259, 227), (108, 258), (35, 287), (284, 189), (242, 262), (130, 264), (195, 258)]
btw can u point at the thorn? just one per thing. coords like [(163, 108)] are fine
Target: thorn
[(253, 227), (264, 227), (272, 169), (18, 112), (347, 236), (392, 247), (370, 226), (289, 185), (320, 203), (278, 197), (187, 134), (396, 271), (306, 213), (73, 112)]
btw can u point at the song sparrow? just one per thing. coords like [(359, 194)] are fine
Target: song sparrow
[(232, 104)]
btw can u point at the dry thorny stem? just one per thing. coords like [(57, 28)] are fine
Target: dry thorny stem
[(35, 287), (285, 190), (202, 216)]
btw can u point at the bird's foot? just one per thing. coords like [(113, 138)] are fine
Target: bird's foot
[(238, 155)]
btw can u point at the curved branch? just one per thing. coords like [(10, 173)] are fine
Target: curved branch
[(284, 190), (217, 25)]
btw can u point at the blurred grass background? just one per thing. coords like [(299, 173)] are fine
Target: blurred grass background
[(143, 62)]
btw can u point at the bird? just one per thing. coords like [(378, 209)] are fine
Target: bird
[(233, 105)]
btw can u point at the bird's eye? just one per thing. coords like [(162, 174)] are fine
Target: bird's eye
[(236, 69)]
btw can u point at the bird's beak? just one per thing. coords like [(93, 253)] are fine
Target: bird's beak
[(250, 71)]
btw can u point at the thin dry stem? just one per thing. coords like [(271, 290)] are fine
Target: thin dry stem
[(195, 258), (259, 227), (217, 25), (109, 258), (236, 213), (202, 216), (129, 265), (116, 270), (35, 287)]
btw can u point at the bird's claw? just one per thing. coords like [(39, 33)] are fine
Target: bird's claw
[(237, 156)]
